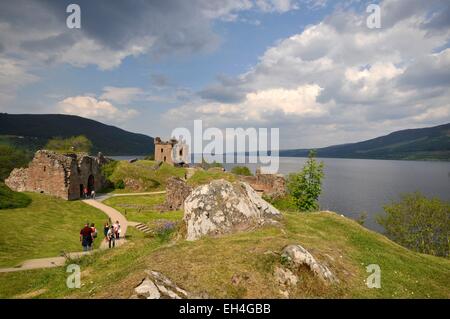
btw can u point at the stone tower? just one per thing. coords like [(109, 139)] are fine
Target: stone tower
[(172, 152)]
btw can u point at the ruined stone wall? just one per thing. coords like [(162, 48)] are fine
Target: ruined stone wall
[(46, 174), (272, 185), (82, 169), (57, 174), (177, 190)]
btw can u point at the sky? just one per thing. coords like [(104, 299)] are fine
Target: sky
[(312, 68)]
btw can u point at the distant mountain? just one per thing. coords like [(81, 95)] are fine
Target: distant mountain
[(32, 131), (432, 143)]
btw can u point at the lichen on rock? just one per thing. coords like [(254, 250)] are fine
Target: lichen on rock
[(298, 256), (221, 207)]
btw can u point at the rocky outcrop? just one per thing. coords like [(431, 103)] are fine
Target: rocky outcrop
[(157, 286), (177, 190), (285, 277), (298, 256), (134, 185), (221, 207), (271, 185)]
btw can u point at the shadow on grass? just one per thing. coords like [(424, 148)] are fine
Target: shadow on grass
[(10, 199)]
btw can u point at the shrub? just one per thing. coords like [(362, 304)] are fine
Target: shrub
[(108, 169), (68, 145), (241, 170), (205, 165), (164, 231), (418, 223), (120, 184), (306, 185)]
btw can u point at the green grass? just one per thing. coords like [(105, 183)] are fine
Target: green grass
[(10, 199), (285, 204), (45, 228), (206, 266), (142, 209), (144, 171), (201, 177)]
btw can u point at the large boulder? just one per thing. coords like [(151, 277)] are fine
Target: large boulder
[(157, 286), (221, 207)]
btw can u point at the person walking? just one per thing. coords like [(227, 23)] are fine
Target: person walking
[(105, 230), (85, 192), (93, 194), (86, 238), (94, 235), (117, 229), (111, 236)]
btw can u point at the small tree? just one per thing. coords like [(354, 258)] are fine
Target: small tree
[(306, 185), (68, 145), (419, 223)]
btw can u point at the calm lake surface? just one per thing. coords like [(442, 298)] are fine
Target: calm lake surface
[(354, 186)]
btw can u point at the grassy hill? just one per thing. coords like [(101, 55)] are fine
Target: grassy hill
[(32, 131), (432, 143), (207, 267), (45, 228)]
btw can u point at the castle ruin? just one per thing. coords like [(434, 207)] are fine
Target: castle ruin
[(61, 175), (173, 152)]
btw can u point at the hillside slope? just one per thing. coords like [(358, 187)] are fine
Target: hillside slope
[(242, 265), (32, 131), (432, 143)]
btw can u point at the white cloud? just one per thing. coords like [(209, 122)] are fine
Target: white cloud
[(341, 78), (13, 75), (90, 107), (121, 95), (260, 107), (280, 6), (87, 51)]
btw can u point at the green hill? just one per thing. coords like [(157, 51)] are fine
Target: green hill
[(432, 143), (242, 265), (32, 131)]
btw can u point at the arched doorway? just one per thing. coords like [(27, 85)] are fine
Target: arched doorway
[(91, 184)]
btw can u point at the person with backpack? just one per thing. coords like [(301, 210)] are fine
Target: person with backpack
[(86, 238), (111, 236)]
